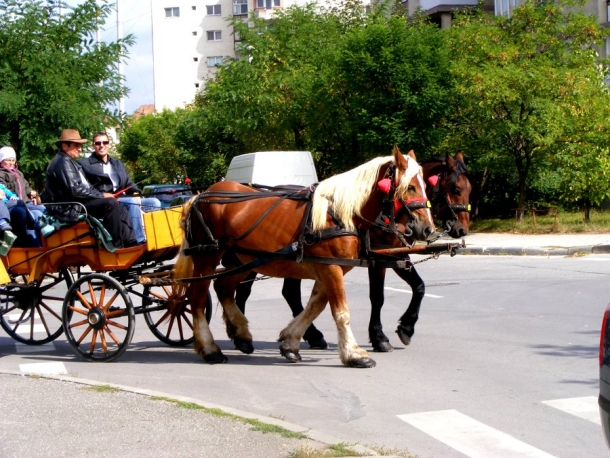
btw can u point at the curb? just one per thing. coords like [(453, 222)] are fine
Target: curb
[(312, 434), (535, 251)]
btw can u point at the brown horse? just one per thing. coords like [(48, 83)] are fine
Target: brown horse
[(448, 188), (263, 229)]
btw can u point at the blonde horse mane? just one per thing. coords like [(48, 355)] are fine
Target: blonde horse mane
[(347, 192)]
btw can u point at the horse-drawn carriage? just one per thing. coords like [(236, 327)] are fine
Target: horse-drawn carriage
[(77, 284)]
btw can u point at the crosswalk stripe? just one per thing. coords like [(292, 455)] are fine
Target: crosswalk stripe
[(44, 368), (389, 288), (469, 436), (585, 407)]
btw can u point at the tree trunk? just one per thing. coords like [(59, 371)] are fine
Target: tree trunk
[(587, 210)]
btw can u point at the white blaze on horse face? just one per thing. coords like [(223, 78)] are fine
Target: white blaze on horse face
[(420, 180)]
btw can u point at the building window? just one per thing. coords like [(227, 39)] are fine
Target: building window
[(195, 33), (505, 7), (240, 7), (214, 35), (213, 10), (195, 59), (172, 12), (214, 61), (194, 7), (267, 4), (197, 85)]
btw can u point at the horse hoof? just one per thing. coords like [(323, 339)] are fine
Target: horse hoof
[(292, 356), (404, 335), (215, 358), (315, 339), (243, 345), (365, 363), (317, 344), (382, 347)]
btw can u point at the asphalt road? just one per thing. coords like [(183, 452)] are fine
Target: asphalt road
[(505, 352)]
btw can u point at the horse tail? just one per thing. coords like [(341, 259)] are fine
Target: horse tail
[(184, 264)]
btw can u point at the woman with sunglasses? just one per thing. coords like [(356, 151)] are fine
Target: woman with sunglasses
[(108, 174)]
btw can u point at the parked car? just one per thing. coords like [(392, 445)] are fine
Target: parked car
[(168, 193), (604, 375)]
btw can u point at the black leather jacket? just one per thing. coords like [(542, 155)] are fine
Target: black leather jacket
[(64, 184), (93, 167)]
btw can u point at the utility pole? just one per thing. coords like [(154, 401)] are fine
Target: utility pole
[(119, 32)]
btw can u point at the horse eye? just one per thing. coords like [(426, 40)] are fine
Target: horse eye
[(457, 191), (411, 188)]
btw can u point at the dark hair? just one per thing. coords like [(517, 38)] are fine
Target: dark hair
[(99, 134)]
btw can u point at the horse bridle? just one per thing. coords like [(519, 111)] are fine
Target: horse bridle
[(387, 222), (438, 206)]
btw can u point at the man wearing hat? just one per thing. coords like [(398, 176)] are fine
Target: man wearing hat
[(66, 183)]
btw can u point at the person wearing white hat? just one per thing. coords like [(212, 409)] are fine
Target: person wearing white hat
[(15, 191), (13, 179)]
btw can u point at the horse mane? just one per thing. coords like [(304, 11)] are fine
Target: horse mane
[(347, 192)]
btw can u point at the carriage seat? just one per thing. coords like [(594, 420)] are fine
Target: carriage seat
[(49, 225)]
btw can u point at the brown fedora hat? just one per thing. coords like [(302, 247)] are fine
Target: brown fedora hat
[(70, 135)]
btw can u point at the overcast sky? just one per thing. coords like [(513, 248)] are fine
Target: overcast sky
[(138, 70)]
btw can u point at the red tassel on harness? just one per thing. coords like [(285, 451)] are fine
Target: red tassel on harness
[(385, 185), (433, 180), (397, 206)]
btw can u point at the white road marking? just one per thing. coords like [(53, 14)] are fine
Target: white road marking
[(469, 436), (585, 407), (44, 368), (409, 292)]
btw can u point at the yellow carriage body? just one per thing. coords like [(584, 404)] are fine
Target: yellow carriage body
[(75, 246)]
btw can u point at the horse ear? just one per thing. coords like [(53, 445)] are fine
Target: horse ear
[(399, 159), (411, 154), (450, 162), (459, 156)]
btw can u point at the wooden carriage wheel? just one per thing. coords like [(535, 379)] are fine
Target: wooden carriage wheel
[(168, 314), (31, 314), (98, 317)]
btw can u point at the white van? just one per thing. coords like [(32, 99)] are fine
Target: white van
[(273, 168)]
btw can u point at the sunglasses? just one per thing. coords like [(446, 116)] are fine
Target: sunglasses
[(101, 143)]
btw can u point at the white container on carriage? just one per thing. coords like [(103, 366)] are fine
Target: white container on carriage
[(273, 168)]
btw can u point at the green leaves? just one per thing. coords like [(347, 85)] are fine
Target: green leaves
[(53, 75)]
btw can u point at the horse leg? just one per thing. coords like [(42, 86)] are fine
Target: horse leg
[(378, 339), (331, 289), (292, 294), (406, 324), (204, 341), (235, 321), (243, 291)]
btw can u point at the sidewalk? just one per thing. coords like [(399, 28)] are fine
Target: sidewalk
[(536, 245)]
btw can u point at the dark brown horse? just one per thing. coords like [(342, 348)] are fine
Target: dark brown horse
[(265, 232), (448, 188)]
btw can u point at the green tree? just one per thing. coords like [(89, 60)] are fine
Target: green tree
[(520, 80), (148, 147), (53, 75)]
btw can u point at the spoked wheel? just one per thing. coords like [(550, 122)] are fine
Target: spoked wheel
[(98, 317), (31, 314), (168, 314)]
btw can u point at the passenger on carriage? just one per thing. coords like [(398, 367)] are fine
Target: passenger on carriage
[(66, 183), (22, 223), (108, 174), (13, 179)]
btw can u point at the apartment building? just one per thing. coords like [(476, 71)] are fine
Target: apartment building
[(192, 37)]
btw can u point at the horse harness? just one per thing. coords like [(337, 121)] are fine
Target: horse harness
[(307, 235)]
